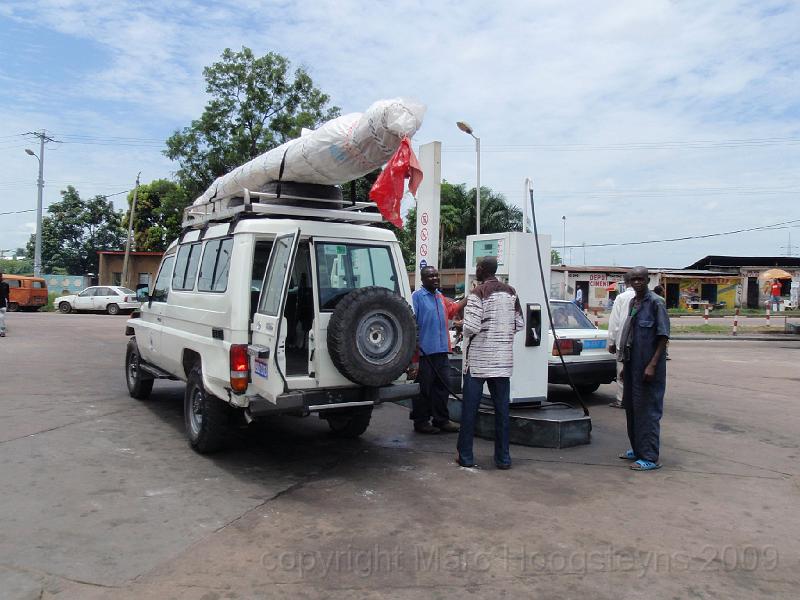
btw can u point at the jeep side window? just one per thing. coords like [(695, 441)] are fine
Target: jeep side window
[(215, 266), (186, 267), (161, 287)]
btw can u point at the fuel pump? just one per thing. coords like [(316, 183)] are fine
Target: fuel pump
[(517, 265)]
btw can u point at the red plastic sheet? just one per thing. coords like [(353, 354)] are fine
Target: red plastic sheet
[(387, 191)]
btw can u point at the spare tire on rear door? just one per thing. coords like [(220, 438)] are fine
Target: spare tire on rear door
[(372, 336)]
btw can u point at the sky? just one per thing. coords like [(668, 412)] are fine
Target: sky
[(636, 121)]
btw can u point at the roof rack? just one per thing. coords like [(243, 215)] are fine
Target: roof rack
[(270, 204)]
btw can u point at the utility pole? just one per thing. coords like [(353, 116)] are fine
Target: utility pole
[(124, 281), (37, 255), (564, 241)]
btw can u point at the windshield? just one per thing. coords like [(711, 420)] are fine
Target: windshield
[(342, 268), (567, 315), (127, 291)]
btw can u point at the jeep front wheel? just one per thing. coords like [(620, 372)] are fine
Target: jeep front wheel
[(372, 336), (139, 385), (206, 416)]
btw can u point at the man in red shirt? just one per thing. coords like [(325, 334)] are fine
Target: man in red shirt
[(775, 291)]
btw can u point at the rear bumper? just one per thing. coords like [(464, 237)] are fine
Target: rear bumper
[(331, 398), (599, 371)]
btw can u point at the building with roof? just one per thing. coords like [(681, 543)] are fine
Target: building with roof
[(142, 268), (754, 291)]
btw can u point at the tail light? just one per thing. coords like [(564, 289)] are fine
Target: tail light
[(568, 347), (240, 368)]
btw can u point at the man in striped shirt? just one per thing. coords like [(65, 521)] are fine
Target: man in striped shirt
[(491, 318)]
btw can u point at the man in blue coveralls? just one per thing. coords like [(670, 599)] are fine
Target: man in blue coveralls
[(432, 310), (644, 374)]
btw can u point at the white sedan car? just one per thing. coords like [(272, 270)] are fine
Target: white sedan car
[(584, 348), (111, 299)]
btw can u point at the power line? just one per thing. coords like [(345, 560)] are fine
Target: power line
[(685, 238), (16, 212)]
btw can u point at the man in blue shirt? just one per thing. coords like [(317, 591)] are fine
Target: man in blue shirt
[(432, 310), (642, 350)]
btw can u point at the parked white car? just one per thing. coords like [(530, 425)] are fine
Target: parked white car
[(111, 299), (584, 348)]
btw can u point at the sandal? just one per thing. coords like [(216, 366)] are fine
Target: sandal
[(645, 465), (627, 455)]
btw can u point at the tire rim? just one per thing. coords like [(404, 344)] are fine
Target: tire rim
[(196, 411), (378, 337), (133, 369)]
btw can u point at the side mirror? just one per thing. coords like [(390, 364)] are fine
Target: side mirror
[(142, 295)]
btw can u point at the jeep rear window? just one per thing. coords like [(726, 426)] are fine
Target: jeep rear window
[(186, 267), (342, 268), (215, 266)]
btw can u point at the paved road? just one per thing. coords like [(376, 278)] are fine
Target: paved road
[(102, 498)]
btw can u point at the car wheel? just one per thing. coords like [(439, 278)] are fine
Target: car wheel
[(351, 423), (372, 336), (206, 417), (587, 388), (65, 307), (139, 385), (12, 307), (112, 309)]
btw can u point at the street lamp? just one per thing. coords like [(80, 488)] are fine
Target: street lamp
[(37, 255), (564, 241), (467, 129)]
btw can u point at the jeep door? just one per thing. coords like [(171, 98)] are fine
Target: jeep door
[(268, 350)]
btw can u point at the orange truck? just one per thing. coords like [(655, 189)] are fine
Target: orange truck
[(25, 293)]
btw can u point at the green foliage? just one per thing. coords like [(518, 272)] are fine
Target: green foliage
[(256, 104), (555, 257), (159, 211), (75, 230), (16, 267)]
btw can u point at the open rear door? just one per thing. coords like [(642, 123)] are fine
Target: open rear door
[(268, 350)]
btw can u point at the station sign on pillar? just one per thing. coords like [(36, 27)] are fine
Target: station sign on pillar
[(428, 202)]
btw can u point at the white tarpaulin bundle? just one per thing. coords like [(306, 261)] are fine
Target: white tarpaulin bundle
[(339, 151)]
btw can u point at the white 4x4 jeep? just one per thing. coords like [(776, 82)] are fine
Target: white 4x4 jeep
[(268, 305)]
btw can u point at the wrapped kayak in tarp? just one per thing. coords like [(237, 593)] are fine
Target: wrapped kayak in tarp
[(339, 151)]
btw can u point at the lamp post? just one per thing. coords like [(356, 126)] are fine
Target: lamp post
[(564, 241), (467, 129), (37, 255)]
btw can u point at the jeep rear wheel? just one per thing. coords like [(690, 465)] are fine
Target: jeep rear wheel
[(206, 416), (350, 423), (139, 385), (372, 336)]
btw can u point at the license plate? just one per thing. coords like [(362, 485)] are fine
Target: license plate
[(260, 368), (592, 344)]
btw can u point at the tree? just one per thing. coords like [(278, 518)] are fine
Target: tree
[(256, 104), (22, 266), (75, 230), (159, 212), (457, 221), (555, 257)]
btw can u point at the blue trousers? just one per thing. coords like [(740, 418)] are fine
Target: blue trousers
[(644, 405), (500, 389)]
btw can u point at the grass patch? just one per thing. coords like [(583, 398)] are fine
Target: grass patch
[(49, 306)]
